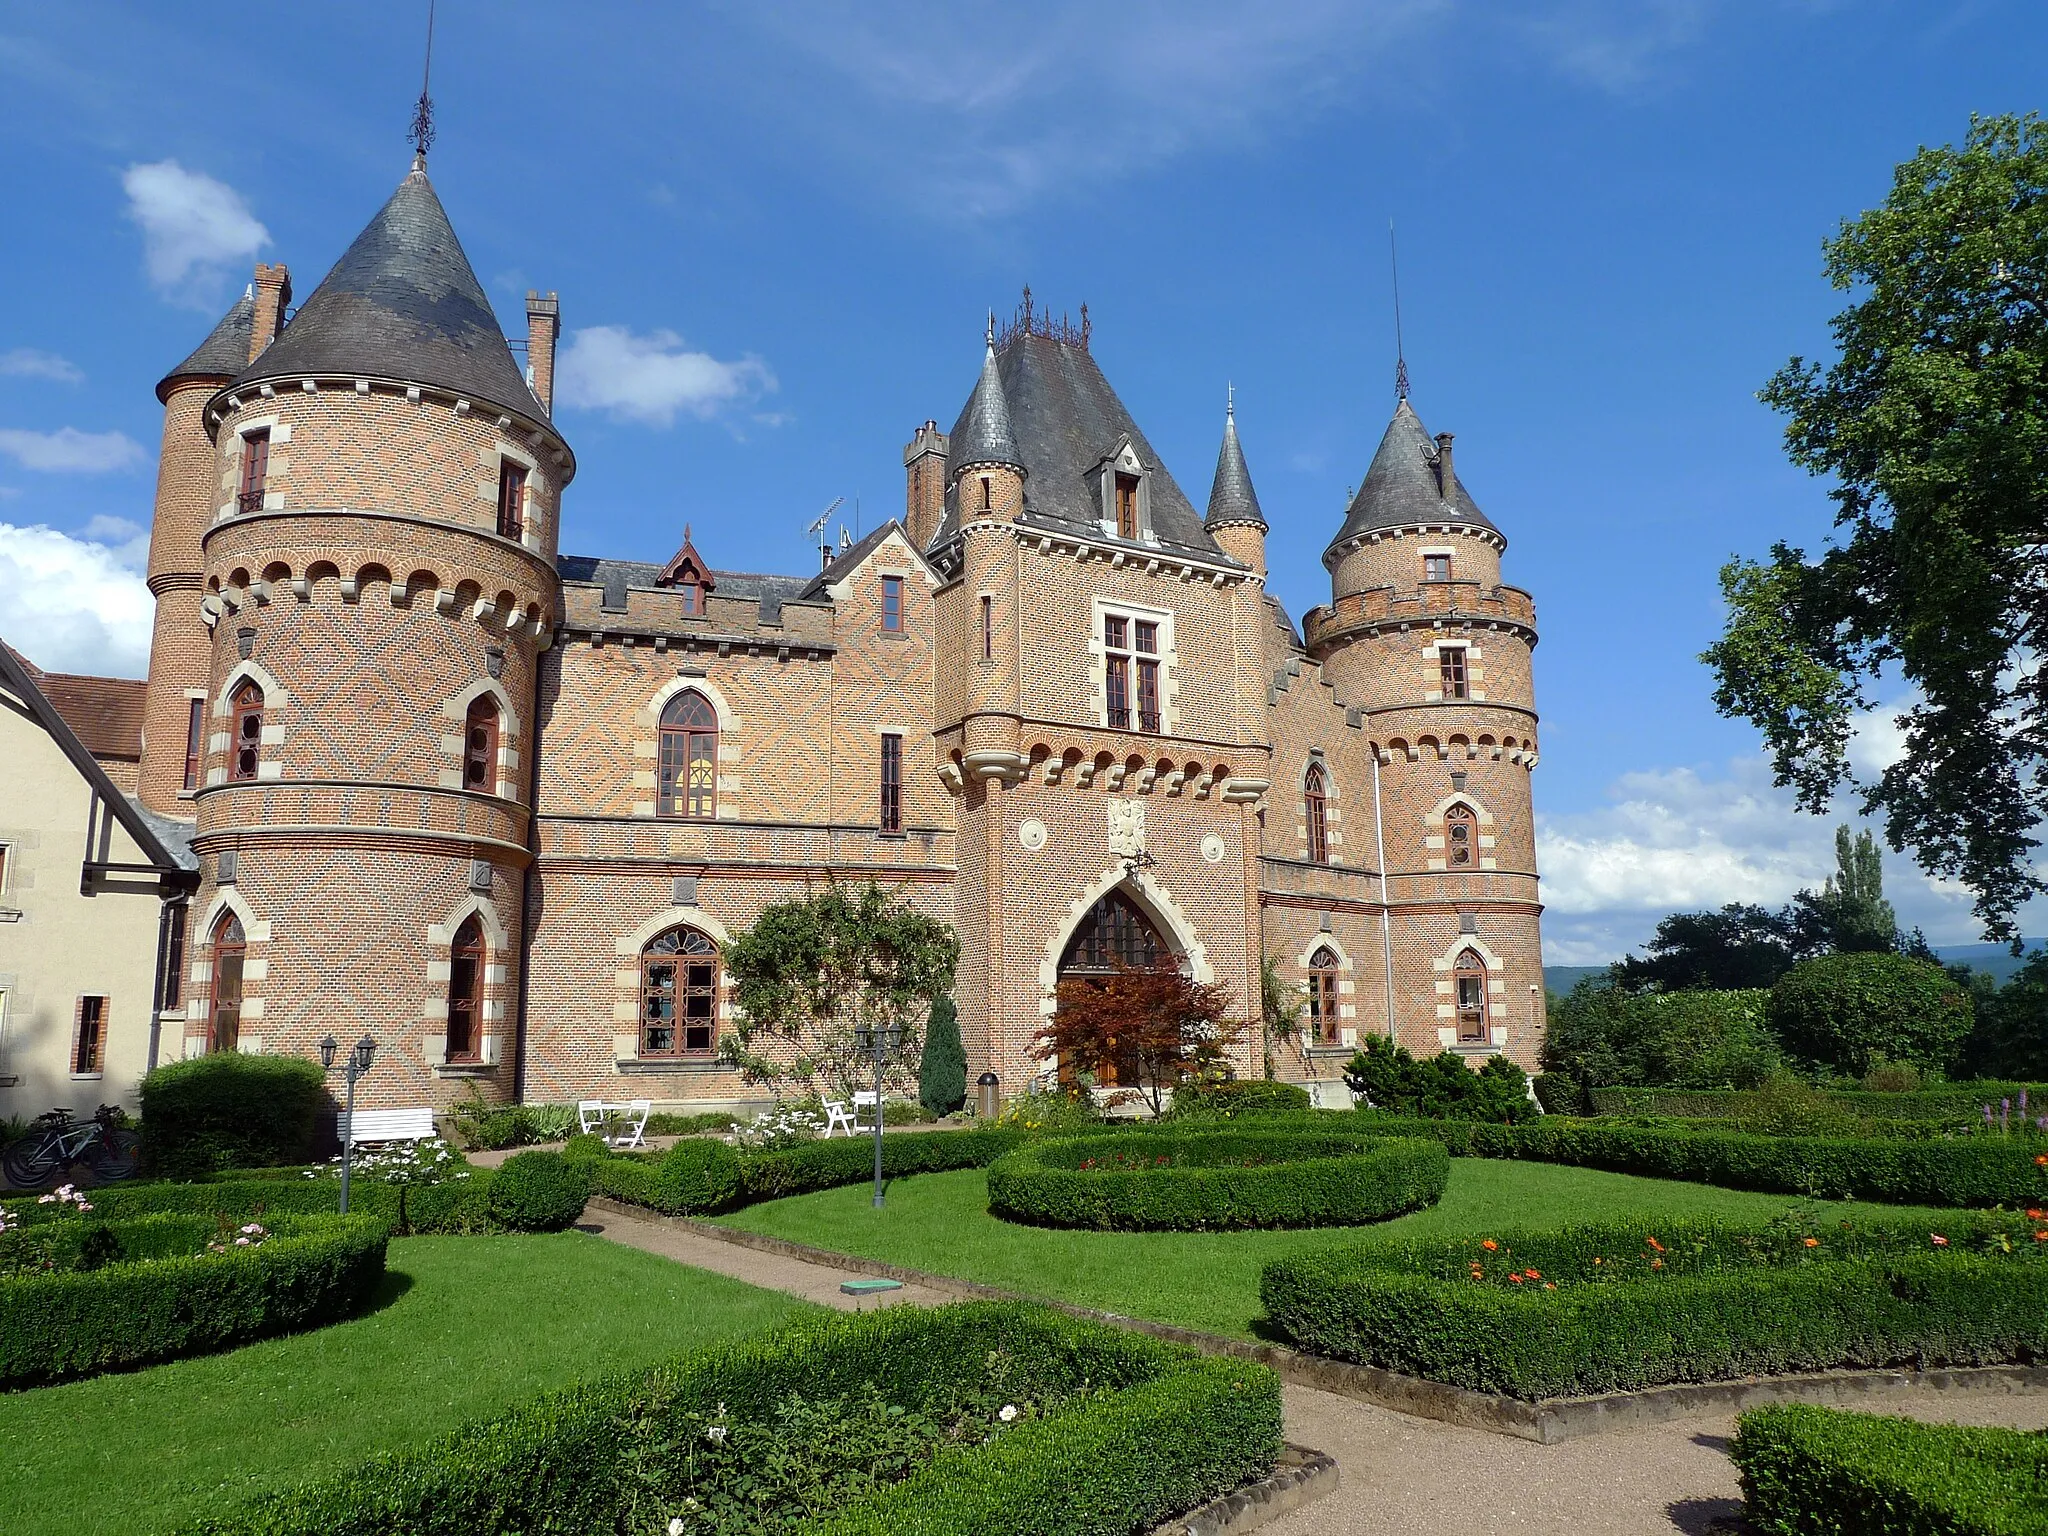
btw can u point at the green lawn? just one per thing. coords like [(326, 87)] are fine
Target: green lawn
[(940, 1222), (466, 1326)]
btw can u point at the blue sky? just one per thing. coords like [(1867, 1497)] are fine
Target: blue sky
[(776, 230)]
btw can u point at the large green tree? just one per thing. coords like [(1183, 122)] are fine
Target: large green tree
[(1932, 422)]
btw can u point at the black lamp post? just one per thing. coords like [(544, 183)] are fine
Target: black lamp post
[(355, 1064), (878, 1038)]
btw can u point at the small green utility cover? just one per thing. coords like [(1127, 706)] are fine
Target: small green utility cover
[(869, 1287)]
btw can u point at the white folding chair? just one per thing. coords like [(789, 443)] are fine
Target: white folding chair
[(591, 1114), (837, 1114), (865, 1100), (632, 1123)]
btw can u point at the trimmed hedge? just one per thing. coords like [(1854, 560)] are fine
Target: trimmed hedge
[(538, 1191), (1242, 1096), (1809, 1471), (1962, 1103), (312, 1270), (1534, 1316), (1149, 1429), (1214, 1181), (227, 1110), (456, 1207)]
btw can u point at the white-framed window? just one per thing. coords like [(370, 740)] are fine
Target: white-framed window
[(1137, 660)]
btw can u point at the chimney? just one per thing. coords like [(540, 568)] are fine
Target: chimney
[(273, 297), (1445, 478), (543, 324), (924, 464)]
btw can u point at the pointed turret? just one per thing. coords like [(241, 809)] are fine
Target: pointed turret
[(1231, 497), (1411, 484), (223, 354), (983, 435), (404, 305)]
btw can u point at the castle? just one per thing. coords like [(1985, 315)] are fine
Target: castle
[(501, 807)]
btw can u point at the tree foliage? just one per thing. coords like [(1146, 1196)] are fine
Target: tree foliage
[(1846, 1013), (809, 972), (1441, 1087), (1932, 421), (1603, 1036), (942, 1070), (1741, 946), (1147, 1030), (1850, 915)]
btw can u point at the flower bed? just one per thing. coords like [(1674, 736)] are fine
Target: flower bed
[(86, 1294), (1810, 1471), (1621, 1308), (1208, 1181), (950, 1420)]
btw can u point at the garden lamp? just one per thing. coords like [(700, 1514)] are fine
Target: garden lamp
[(878, 1038), (355, 1064)]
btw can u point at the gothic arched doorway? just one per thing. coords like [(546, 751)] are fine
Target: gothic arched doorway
[(1114, 935)]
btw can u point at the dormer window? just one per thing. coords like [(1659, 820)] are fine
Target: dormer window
[(1436, 567), (1127, 506), (693, 599), (1123, 491)]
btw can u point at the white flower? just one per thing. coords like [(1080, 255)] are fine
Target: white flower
[(44, 1199), (675, 1526), (1009, 1412), (241, 1242), (715, 1434)]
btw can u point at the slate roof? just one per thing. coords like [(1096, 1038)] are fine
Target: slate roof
[(1401, 488), (402, 303), (224, 353), (1231, 497), (850, 557), (983, 434), (1066, 419), (772, 591)]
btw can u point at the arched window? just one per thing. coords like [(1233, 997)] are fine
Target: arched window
[(480, 745), (1461, 838), (1315, 801), (1113, 936), (245, 745), (1322, 996), (678, 994), (1468, 976), (230, 949), (466, 992), (689, 758)]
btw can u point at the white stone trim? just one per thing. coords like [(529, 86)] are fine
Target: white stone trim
[(1158, 904), (228, 899), (457, 707), (274, 693), (669, 917), (494, 930)]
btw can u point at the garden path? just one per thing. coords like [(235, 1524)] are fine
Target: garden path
[(1399, 1474)]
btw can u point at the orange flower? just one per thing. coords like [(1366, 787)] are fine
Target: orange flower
[(1813, 1242), (1549, 1285), (1516, 1278), (2037, 1215), (1489, 1244), (1533, 1275), (1654, 1244), (2041, 1237), (2041, 1161), (1656, 1263)]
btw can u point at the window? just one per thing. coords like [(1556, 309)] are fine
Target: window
[(678, 994), (1436, 567), (195, 741), (511, 499), (689, 758), (1127, 506), (892, 604), (1147, 638), (1315, 801), (1116, 634), (988, 627), (230, 948), (987, 494), (480, 745), (1114, 936), (4, 851), (1469, 977), (1451, 663), (466, 992), (1131, 657), (1322, 996), (171, 990), (89, 1049), (1461, 837), (245, 747), (892, 784), (255, 471), (693, 599)]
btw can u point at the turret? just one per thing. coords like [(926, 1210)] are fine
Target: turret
[(1234, 518), (986, 471)]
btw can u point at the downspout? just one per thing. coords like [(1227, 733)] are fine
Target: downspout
[(1379, 832), (532, 745), (163, 956)]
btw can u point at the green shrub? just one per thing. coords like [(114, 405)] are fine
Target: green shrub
[(1601, 1035), (850, 1160), (1950, 1106), (1240, 1096), (666, 1123), (458, 1206), (1840, 1013), (700, 1175), (1136, 1431), (227, 1110), (942, 1069), (539, 1191), (164, 1296), (1622, 1307), (1809, 1471), (1050, 1112), (1213, 1181), (585, 1145), (1443, 1086), (1558, 1094)]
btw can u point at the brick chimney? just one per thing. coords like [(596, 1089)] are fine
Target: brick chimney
[(273, 297), (543, 325), (924, 464), (1445, 479)]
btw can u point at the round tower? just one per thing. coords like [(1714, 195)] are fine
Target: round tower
[(1424, 637), (378, 574), (1234, 518), (986, 471)]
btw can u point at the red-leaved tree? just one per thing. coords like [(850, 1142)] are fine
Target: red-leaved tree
[(1145, 1030)]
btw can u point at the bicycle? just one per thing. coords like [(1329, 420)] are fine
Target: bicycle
[(108, 1148)]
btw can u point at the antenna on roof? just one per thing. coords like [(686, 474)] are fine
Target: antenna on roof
[(817, 530), (1400, 352), (422, 133)]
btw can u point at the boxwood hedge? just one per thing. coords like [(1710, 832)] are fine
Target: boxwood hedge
[(228, 1110), (164, 1296), (1810, 1471), (461, 1206), (1624, 1307), (1145, 1430), (1209, 1181)]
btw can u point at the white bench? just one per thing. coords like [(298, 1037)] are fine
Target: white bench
[(367, 1125), (631, 1114)]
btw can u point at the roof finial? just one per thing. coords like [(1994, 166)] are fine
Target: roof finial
[(990, 338), (1229, 402), (1400, 353), (422, 134)]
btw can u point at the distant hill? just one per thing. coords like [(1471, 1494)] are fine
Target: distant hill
[(1994, 960)]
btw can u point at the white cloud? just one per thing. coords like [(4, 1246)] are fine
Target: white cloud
[(76, 604), (1614, 45), (193, 228), (68, 451), (28, 363), (650, 378)]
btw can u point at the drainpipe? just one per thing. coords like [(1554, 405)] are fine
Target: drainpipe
[(1379, 832)]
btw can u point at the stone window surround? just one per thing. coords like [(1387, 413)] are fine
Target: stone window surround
[(1156, 902), (1124, 460), (276, 698), (1169, 662), (199, 973), (1333, 815), (1347, 987), (1434, 842), (647, 745), (627, 949), (456, 710), (492, 459), (276, 469), (1444, 966), (491, 1010), (1475, 672)]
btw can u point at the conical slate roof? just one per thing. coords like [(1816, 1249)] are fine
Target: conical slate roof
[(224, 353), (983, 434), (1231, 497), (1401, 489), (402, 303)]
